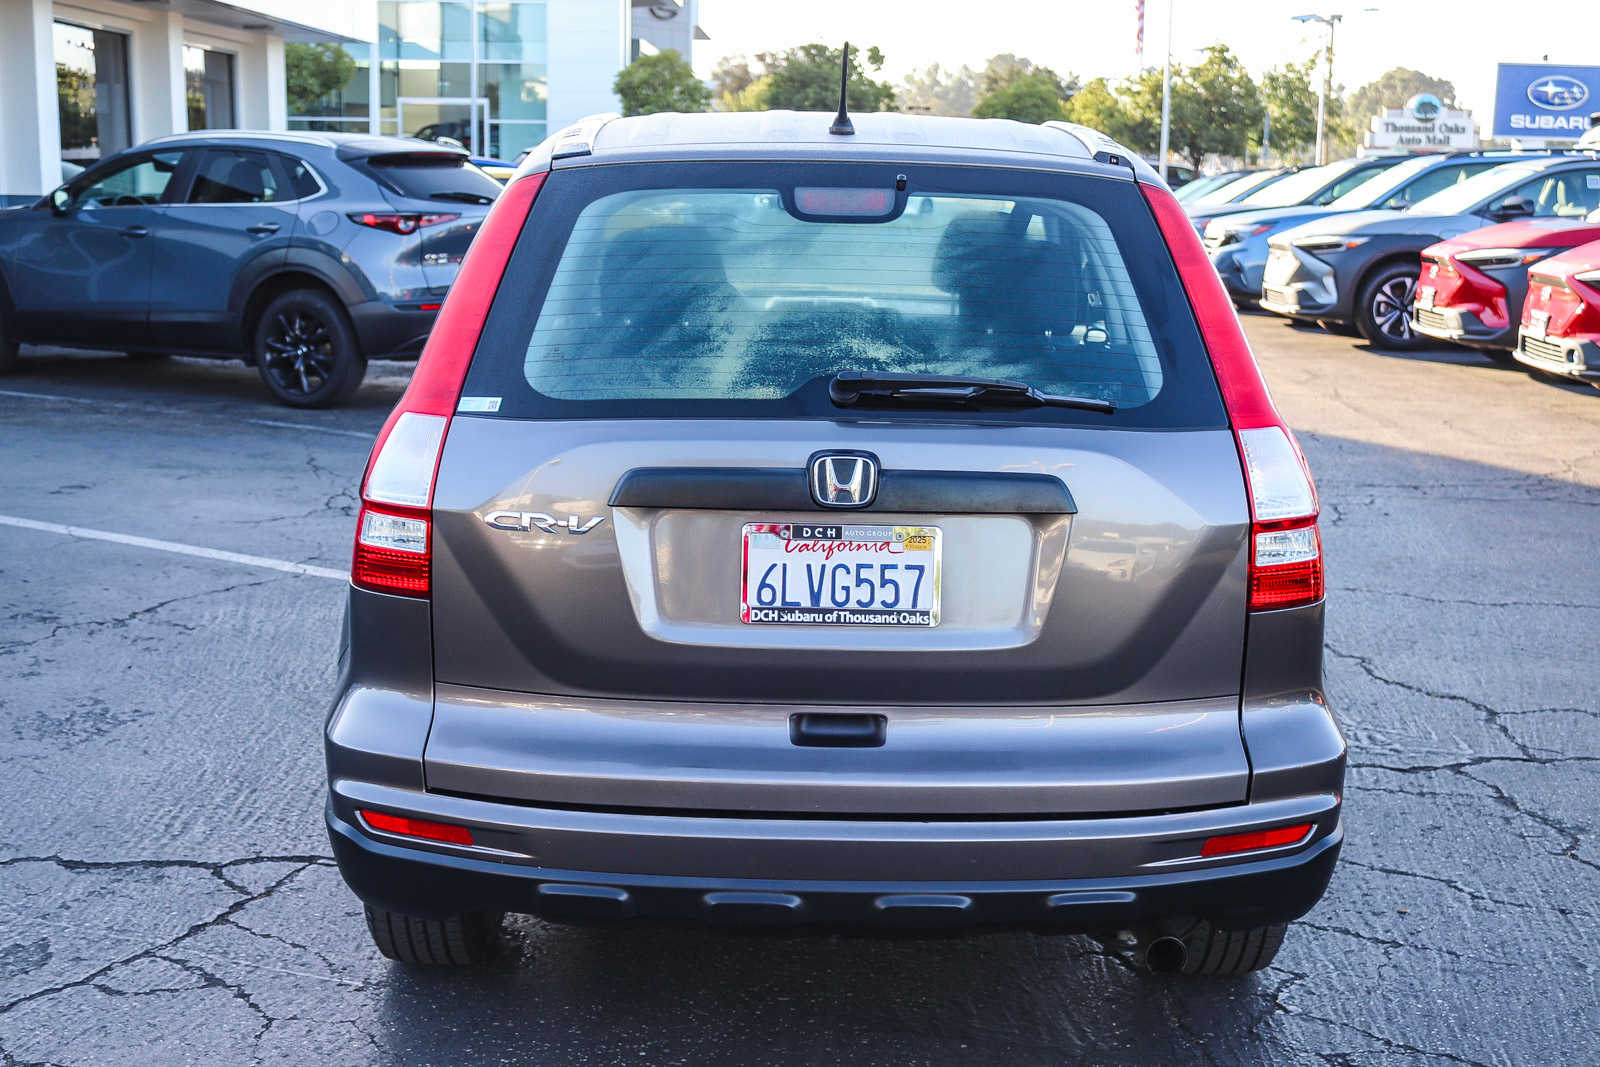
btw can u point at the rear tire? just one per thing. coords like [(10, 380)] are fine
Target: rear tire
[(306, 350), (1383, 307), (10, 357), (1220, 953), (467, 940)]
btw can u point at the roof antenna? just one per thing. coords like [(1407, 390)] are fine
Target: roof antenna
[(841, 121)]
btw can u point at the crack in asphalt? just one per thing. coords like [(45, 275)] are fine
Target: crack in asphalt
[(58, 628), (1465, 601), (225, 917)]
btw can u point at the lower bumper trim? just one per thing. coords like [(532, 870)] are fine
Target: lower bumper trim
[(1276, 889)]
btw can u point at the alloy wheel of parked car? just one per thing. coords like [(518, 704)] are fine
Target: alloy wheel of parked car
[(1383, 311), (306, 351)]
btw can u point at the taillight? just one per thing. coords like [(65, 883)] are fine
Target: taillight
[(400, 222), (1285, 545), (394, 534)]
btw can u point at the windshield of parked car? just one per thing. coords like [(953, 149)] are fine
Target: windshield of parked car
[(1231, 191), (1387, 181), (672, 293), (1465, 196), (1197, 189), (1296, 187)]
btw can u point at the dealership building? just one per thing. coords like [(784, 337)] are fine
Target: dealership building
[(85, 78)]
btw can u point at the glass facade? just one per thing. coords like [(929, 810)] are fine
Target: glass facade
[(208, 77), (346, 108), (92, 93), (471, 70)]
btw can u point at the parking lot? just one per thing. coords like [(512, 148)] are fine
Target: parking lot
[(166, 894)]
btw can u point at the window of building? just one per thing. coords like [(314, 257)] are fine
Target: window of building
[(341, 108), (209, 79), (91, 91), (473, 71)]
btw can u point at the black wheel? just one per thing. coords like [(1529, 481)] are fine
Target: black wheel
[(459, 941), (1343, 329), (10, 360), (1208, 950), (306, 350), (1383, 307)]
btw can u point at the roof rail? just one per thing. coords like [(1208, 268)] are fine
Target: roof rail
[(578, 139)]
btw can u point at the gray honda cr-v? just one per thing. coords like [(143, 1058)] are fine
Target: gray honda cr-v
[(787, 526)]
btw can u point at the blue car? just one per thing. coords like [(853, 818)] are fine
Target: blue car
[(304, 254), (1238, 242)]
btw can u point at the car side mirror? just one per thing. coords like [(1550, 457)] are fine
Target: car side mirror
[(1398, 203), (61, 201), (1513, 207)]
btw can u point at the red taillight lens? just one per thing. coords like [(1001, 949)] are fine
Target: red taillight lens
[(401, 222), (394, 535), (392, 552), (1227, 844), (430, 831), (1285, 547)]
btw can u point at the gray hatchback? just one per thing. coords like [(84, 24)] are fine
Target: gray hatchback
[(881, 529)]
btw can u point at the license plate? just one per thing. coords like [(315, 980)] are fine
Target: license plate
[(840, 574), (1425, 297), (1538, 324)]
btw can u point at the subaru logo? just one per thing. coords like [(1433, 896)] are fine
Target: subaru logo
[(844, 479), (1557, 92)]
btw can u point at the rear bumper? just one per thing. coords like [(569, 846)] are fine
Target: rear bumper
[(1461, 327), (388, 332), (1084, 874)]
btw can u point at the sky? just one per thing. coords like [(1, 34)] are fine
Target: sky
[(1461, 40)]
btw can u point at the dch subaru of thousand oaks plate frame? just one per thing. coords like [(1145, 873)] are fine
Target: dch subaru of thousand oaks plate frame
[(840, 574)]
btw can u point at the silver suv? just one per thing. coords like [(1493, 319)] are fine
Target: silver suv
[(786, 527)]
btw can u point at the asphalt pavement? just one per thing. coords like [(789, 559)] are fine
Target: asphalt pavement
[(166, 895)]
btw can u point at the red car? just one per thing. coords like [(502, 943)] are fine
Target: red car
[(1561, 318), (1473, 286)]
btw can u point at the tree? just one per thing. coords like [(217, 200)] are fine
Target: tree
[(1393, 90), (660, 82), (935, 91), (1291, 104), (1005, 69), (807, 79), (1031, 98), (312, 71), (1098, 106), (752, 97), (731, 76)]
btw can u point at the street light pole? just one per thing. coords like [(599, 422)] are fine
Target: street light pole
[(1329, 21), (1166, 94)]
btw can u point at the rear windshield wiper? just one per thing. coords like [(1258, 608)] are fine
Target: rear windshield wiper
[(851, 387), (469, 198)]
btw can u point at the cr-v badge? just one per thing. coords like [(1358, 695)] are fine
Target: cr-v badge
[(538, 520)]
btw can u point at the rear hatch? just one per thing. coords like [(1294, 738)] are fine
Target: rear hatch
[(448, 198), (646, 596)]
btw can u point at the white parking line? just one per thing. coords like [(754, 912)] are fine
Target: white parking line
[(156, 409), (284, 565)]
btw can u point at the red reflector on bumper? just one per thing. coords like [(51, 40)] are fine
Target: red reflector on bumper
[(432, 831), (1255, 839)]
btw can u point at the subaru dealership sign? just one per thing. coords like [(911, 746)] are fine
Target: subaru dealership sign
[(1540, 100)]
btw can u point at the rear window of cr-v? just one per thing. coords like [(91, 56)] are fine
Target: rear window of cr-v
[(434, 177), (680, 290)]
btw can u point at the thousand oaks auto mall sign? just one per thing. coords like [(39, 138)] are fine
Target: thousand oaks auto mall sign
[(1423, 123)]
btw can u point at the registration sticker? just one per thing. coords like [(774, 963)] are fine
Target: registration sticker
[(840, 574)]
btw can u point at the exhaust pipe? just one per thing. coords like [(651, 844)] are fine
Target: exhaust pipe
[(1166, 955)]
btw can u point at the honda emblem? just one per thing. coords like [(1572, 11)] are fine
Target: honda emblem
[(844, 479)]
